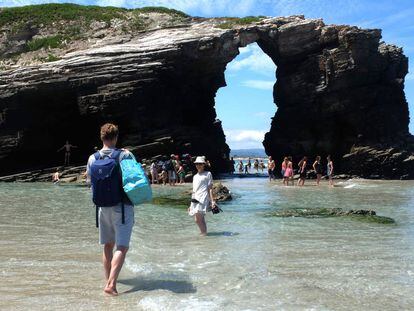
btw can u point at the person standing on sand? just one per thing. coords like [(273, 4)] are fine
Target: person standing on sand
[(271, 168), (317, 167), (302, 171), (154, 173), (202, 199), (113, 231), (68, 147), (329, 170)]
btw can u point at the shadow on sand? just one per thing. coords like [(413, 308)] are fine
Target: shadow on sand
[(142, 284)]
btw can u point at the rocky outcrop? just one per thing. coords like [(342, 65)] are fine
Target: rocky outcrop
[(363, 215), (334, 84)]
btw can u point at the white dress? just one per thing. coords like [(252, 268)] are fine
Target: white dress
[(202, 182)]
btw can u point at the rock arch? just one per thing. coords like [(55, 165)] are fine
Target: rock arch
[(339, 91)]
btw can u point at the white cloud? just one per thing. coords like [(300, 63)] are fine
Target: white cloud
[(259, 84), (244, 139), (256, 60)]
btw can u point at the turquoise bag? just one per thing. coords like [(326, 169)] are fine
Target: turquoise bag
[(134, 181)]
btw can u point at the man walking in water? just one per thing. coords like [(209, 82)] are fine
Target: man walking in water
[(67, 148), (115, 225)]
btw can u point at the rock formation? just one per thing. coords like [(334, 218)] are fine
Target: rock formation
[(338, 88)]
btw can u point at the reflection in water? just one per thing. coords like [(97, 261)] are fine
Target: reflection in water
[(50, 259)]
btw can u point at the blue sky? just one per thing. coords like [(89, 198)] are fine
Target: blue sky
[(246, 104)]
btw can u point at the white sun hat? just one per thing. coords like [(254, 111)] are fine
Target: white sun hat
[(200, 159)]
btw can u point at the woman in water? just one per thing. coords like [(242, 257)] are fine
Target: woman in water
[(317, 167), (256, 165), (202, 198), (240, 166), (302, 171), (329, 170), (283, 171)]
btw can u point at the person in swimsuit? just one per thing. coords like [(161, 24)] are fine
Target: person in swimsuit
[(249, 165), (329, 170), (270, 168), (302, 171), (289, 172), (240, 166), (256, 165), (181, 174), (68, 147), (317, 167), (55, 177), (262, 165), (283, 171)]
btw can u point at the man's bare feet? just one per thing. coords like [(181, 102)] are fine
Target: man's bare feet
[(110, 291)]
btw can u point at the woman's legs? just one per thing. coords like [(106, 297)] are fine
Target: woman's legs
[(318, 179), (201, 222)]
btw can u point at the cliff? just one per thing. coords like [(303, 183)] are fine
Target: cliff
[(155, 72)]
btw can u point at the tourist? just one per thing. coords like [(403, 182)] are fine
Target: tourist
[(115, 222), (202, 199), (283, 171), (55, 177), (317, 167), (154, 172), (302, 171), (232, 163), (249, 165), (270, 168), (284, 166), (68, 147), (240, 166), (246, 168), (329, 170), (170, 167), (289, 172), (181, 174), (262, 165), (256, 165)]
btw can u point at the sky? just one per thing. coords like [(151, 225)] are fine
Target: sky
[(246, 105)]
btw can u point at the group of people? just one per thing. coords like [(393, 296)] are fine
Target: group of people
[(172, 170), (257, 165), (287, 170)]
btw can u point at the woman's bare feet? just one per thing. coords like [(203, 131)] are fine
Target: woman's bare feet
[(110, 291)]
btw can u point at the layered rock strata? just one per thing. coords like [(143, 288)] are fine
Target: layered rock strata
[(336, 86)]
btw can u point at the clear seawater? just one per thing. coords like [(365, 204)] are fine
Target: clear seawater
[(50, 257)]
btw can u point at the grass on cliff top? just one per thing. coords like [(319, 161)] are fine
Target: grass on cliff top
[(230, 22), (46, 14)]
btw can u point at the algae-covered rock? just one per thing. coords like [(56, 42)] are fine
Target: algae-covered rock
[(362, 215)]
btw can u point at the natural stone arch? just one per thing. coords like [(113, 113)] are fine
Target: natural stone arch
[(336, 84)]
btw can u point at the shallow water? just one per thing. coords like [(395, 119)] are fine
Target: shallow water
[(50, 258)]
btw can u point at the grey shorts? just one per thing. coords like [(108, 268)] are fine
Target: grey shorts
[(111, 228), (171, 175)]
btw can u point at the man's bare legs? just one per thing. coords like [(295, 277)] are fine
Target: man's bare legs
[(201, 222), (113, 267)]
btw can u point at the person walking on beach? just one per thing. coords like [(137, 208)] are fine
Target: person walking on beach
[(181, 174), (329, 170), (68, 147), (302, 171), (271, 168), (115, 222), (202, 199), (317, 167), (170, 166)]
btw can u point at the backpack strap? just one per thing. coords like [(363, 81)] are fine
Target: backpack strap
[(97, 155), (116, 154)]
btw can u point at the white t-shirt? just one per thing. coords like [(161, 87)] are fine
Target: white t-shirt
[(201, 185)]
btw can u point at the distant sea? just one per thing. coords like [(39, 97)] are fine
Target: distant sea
[(245, 153)]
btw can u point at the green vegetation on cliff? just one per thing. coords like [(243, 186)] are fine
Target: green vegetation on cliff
[(47, 14), (230, 22)]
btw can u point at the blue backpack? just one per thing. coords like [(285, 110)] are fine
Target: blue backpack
[(135, 182), (106, 181)]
